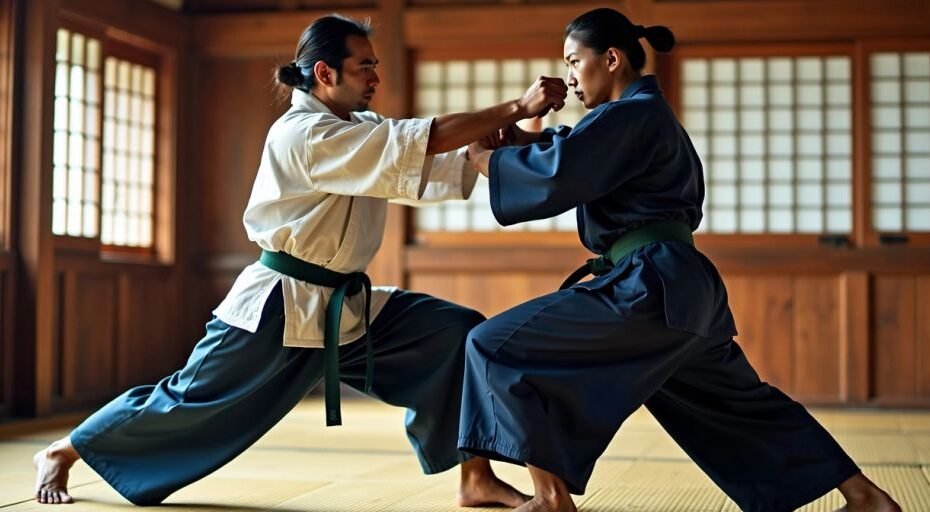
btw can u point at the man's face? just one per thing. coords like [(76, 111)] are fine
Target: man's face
[(355, 85)]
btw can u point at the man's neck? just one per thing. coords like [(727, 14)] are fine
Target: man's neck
[(331, 105)]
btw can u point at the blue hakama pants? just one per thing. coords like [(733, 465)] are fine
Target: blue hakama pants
[(549, 383), (153, 440)]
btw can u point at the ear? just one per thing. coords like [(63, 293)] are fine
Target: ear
[(324, 74), (615, 59)]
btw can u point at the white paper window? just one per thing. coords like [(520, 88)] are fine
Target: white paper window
[(775, 138), (900, 84), (76, 136), (129, 154)]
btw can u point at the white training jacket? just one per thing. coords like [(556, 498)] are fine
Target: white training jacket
[(321, 195)]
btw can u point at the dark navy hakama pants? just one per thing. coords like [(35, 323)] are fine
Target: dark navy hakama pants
[(549, 383), (153, 440)]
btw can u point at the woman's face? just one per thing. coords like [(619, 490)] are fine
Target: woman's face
[(589, 73)]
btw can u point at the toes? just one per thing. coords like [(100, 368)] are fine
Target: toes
[(53, 497)]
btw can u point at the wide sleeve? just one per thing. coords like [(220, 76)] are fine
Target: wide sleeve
[(447, 176), (607, 147), (549, 133), (375, 158)]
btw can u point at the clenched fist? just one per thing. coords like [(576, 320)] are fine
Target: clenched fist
[(546, 93)]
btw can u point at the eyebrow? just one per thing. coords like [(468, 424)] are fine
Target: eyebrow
[(569, 55), (366, 62)]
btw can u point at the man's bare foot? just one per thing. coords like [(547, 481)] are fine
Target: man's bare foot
[(538, 504), (52, 466), (864, 496), (481, 487)]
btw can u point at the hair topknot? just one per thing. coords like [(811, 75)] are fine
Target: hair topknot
[(289, 74), (660, 38)]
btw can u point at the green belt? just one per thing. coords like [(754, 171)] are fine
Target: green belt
[(343, 285), (628, 242)]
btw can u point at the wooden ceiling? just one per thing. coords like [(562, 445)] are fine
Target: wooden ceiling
[(221, 6)]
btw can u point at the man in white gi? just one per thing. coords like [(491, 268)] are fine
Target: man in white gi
[(317, 211)]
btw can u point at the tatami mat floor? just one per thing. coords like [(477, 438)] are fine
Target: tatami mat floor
[(367, 465)]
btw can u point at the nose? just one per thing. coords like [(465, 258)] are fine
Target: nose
[(570, 79), (375, 79)]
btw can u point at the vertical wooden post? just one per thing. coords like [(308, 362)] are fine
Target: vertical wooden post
[(862, 234), (391, 101), (35, 316), (855, 335)]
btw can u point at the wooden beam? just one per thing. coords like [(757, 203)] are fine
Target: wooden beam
[(139, 18), (481, 256), (504, 25), (792, 20), (271, 34)]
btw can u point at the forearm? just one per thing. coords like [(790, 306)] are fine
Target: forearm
[(480, 158), (451, 131)]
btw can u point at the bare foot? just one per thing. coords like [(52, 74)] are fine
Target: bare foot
[(551, 493), (881, 504), (538, 504), (52, 465), (864, 496), (481, 487)]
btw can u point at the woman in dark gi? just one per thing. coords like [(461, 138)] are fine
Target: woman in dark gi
[(549, 382)]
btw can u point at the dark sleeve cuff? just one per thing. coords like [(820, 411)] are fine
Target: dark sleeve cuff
[(495, 188)]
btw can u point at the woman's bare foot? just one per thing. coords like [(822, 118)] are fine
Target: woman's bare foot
[(551, 493), (52, 466), (862, 495), (481, 487), (537, 504)]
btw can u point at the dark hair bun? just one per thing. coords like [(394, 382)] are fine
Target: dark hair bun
[(660, 38), (289, 74)]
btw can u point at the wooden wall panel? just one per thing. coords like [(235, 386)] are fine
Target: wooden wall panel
[(235, 121), (148, 346), (489, 293), (901, 339), (817, 348), (894, 355), (117, 327), (86, 337), (922, 336), (6, 340), (764, 310), (212, 286)]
